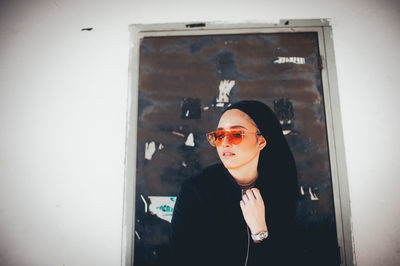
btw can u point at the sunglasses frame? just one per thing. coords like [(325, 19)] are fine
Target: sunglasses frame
[(214, 142)]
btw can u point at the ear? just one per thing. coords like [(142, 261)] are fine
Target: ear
[(262, 142)]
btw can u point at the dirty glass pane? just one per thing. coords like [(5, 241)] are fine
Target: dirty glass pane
[(184, 84)]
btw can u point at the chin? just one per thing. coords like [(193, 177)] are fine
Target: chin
[(229, 164)]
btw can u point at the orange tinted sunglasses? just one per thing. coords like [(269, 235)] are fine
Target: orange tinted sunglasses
[(234, 136)]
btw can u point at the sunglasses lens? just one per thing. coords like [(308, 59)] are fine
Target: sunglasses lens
[(211, 137), (233, 137), (219, 137), (236, 136)]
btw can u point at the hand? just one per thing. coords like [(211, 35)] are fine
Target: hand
[(253, 210)]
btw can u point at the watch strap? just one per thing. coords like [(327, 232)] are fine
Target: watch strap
[(260, 236)]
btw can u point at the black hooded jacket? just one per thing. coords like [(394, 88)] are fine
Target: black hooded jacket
[(208, 227)]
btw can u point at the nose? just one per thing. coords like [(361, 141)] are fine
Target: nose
[(225, 142)]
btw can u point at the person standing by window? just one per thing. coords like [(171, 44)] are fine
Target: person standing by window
[(242, 210)]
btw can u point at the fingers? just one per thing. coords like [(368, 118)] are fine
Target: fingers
[(248, 197), (245, 198), (252, 195), (253, 210), (257, 193), (242, 205)]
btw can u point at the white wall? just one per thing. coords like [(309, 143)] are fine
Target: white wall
[(63, 103)]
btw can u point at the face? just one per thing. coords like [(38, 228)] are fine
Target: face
[(247, 151)]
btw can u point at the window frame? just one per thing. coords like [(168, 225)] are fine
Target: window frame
[(340, 186)]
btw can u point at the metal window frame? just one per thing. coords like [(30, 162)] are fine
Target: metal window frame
[(332, 113)]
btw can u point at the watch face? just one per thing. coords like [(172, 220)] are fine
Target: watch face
[(263, 235), (260, 236)]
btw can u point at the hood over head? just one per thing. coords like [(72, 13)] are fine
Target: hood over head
[(276, 165)]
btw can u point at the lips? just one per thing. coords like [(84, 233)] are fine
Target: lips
[(227, 154)]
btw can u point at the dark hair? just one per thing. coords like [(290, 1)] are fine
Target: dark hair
[(276, 165)]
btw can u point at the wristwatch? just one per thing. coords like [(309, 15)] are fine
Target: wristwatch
[(260, 236)]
